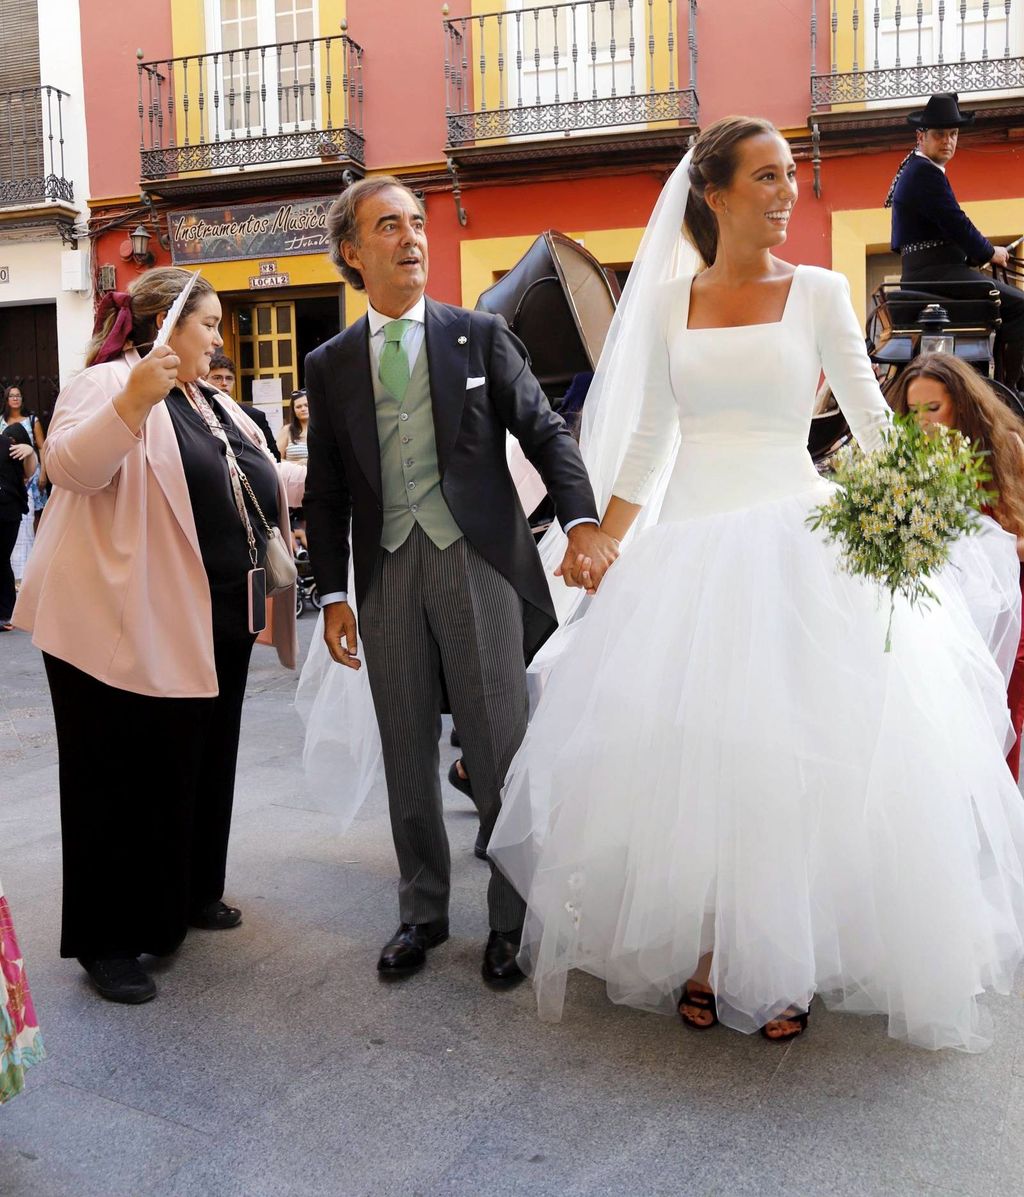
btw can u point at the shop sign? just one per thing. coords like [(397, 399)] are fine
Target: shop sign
[(266, 279), (5, 274), (235, 232)]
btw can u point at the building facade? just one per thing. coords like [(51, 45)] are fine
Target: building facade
[(225, 137), (45, 264)]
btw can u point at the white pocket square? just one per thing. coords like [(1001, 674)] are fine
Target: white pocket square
[(474, 382)]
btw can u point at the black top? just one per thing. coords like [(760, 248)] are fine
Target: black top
[(263, 424), (13, 491), (924, 208), (222, 538)]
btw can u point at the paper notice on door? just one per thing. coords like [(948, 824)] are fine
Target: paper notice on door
[(267, 396)]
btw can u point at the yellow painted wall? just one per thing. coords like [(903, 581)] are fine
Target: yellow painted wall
[(485, 260), (859, 232), (189, 37)]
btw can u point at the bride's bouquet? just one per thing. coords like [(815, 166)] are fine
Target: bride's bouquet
[(898, 510)]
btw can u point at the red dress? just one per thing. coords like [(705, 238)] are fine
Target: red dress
[(1015, 690)]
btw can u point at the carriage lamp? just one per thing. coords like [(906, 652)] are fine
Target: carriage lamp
[(934, 338), (140, 246)]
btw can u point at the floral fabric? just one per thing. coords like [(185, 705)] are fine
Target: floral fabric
[(21, 1045)]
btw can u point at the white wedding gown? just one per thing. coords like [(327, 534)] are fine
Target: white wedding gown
[(724, 758)]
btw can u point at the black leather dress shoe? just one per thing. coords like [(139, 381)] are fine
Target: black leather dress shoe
[(406, 950), (499, 967), (460, 783), (119, 979), (216, 916), (480, 847)]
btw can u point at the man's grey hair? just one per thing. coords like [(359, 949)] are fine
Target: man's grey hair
[(342, 220)]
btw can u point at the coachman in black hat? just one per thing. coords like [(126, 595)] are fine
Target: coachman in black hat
[(933, 234)]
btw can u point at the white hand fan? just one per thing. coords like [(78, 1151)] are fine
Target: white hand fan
[(171, 319)]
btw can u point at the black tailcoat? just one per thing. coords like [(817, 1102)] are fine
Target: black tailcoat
[(343, 487)]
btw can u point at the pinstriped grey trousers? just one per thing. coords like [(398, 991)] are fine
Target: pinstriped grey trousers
[(426, 610)]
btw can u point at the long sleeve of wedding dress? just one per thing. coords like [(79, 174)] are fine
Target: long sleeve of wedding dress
[(846, 366)]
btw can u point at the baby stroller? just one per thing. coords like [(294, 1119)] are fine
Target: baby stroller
[(305, 583)]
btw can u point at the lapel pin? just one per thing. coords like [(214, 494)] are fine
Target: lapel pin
[(463, 340)]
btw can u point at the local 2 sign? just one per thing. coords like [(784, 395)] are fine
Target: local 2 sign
[(241, 231)]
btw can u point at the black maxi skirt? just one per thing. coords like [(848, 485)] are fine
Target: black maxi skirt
[(146, 791)]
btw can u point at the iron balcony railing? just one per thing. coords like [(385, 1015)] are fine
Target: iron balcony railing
[(902, 50), (32, 147), (252, 106), (584, 65)]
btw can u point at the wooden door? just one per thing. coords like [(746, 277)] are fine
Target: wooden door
[(265, 336), (28, 354)]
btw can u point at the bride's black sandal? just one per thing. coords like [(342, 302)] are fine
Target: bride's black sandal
[(701, 1001), (790, 1015)]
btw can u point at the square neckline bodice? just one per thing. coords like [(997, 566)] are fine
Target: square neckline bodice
[(685, 306)]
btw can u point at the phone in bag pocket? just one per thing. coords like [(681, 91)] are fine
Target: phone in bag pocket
[(257, 600)]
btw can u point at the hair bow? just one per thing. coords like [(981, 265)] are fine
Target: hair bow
[(121, 330)]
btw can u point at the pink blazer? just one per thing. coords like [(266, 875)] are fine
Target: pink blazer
[(115, 583)]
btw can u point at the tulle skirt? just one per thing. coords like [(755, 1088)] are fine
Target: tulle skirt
[(724, 759)]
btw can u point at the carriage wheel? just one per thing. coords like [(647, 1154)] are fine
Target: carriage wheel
[(300, 603), (314, 598)]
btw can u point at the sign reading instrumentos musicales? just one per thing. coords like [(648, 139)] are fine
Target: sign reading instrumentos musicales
[(240, 231)]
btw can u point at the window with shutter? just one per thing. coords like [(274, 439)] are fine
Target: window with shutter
[(19, 45), (21, 115)]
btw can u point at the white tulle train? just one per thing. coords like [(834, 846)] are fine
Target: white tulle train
[(724, 759)]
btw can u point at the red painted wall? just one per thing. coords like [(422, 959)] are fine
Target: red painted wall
[(403, 76), (110, 38), (754, 59)]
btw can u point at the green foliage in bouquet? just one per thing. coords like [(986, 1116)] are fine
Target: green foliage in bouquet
[(899, 509)]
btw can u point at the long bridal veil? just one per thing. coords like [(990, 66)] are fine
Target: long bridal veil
[(342, 753)]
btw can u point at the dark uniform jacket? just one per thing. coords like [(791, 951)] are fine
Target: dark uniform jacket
[(924, 208)]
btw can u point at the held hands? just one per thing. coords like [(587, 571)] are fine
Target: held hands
[(1001, 257), (22, 452), (588, 557), (340, 634)]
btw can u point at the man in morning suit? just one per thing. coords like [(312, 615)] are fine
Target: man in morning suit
[(408, 412), (934, 236)]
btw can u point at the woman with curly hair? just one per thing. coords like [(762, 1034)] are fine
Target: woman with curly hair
[(941, 389)]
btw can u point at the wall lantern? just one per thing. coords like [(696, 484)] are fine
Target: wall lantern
[(140, 246)]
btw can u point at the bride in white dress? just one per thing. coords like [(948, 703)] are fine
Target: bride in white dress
[(727, 784)]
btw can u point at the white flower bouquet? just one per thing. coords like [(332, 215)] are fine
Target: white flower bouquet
[(898, 510)]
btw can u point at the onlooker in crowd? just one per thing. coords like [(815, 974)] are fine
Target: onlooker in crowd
[(291, 440), (291, 444), (14, 413), (17, 465), (223, 376), (139, 594), (941, 389)]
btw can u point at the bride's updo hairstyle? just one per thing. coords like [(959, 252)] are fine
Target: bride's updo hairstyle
[(150, 294), (713, 165)]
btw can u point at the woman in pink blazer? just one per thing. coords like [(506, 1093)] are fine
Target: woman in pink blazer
[(137, 594)]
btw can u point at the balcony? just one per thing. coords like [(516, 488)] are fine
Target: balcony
[(217, 115), (868, 56), (571, 81), (32, 147)]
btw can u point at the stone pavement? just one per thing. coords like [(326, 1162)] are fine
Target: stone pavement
[(274, 1062)]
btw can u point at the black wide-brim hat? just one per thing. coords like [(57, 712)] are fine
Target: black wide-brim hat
[(941, 112)]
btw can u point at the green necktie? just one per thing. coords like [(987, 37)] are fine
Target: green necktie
[(394, 365)]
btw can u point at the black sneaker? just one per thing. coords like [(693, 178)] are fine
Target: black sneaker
[(119, 979)]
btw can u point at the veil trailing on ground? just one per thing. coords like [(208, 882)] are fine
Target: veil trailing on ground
[(615, 399), (342, 754)]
